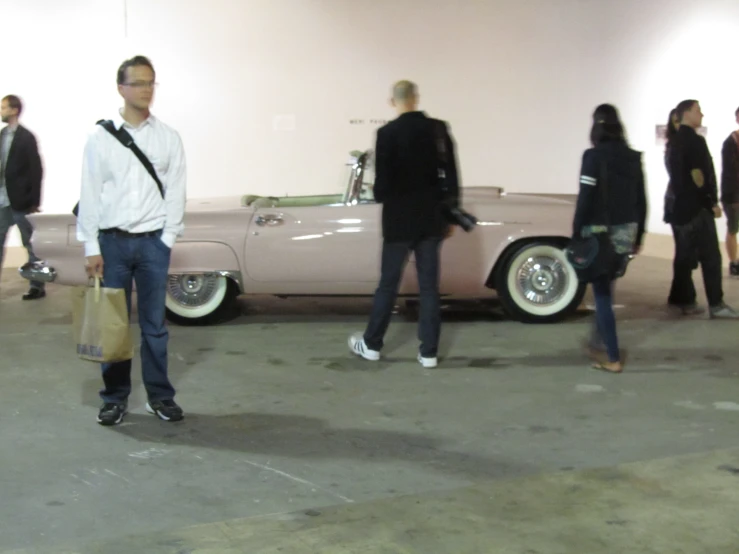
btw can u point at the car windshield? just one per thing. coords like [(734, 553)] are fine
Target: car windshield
[(360, 161)]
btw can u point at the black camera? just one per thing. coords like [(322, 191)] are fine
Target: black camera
[(458, 216)]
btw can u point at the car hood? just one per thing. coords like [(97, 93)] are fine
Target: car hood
[(214, 204)]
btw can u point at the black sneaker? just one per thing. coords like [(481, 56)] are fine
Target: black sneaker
[(734, 269), (168, 410), (34, 294), (112, 413)]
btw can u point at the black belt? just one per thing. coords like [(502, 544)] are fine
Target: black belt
[(121, 233)]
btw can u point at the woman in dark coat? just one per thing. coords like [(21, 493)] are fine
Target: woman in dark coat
[(612, 200), (672, 126)]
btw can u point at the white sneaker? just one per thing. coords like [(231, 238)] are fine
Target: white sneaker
[(722, 311), (358, 347), (427, 362)]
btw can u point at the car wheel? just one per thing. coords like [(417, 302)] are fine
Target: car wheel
[(537, 284), (199, 298)]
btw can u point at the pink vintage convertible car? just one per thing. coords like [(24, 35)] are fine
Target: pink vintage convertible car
[(329, 245)]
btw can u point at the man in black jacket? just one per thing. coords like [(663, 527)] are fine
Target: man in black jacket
[(730, 195), (20, 182), (408, 185), (696, 207)]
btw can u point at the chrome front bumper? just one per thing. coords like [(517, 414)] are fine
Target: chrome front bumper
[(37, 271)]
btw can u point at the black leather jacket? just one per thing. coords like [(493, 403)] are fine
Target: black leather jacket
[(730, 170), (619, 168)]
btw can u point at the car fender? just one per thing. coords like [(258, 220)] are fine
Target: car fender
[(517, 237), (67, 265), (206, 257)]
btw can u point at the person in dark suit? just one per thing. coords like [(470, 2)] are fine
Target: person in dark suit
[(697, 207), (20, 182), (682, 296), (409, 187)]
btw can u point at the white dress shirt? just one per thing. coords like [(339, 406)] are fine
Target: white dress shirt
[(118, 192)]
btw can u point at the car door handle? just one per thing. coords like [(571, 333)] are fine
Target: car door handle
[(269, 219)]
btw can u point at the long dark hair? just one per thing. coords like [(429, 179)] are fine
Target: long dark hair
[(671, 130), (607, 125)]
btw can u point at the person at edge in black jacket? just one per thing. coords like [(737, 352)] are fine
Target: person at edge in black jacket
[(730, 195)]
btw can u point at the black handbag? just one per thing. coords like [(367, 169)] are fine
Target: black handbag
[(594, 256)]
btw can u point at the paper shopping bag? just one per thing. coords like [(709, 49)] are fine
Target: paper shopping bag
[(101, 324)]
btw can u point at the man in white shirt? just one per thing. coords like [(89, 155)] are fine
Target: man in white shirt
[(129, 226)]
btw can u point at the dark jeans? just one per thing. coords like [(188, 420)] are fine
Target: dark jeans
[(604, 323), (8, 218), (145, 260), (697, 242), (394, 259), (682, 290)]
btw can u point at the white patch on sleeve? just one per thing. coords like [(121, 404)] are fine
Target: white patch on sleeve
[(585, 180)]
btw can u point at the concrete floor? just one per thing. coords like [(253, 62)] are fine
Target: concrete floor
[(512, 445)]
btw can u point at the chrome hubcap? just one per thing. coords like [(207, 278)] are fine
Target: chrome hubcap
[(542, 279), (192, 290)]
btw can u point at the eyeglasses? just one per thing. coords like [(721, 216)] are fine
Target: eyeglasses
[(142, 84)]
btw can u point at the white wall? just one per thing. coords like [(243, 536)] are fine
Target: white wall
[(62, 59), (660, 52), (510, 77), (517, 79)]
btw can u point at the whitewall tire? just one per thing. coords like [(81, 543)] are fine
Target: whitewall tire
[(196, 298), (537, 284)]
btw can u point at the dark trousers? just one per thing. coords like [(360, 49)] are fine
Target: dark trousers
[(145, 261), (682, 290), (394, 259), (8, 218), (696, 242), (603, 331)]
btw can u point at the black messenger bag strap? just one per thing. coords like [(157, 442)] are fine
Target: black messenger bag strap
[(127, 140)]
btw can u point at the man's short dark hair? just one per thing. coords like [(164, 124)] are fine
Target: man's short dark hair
[(14, 102), (133, 62), (736, 112), (684, 106)]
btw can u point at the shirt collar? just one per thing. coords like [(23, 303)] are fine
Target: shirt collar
[(12, 128), (414, 113), (119, 122)]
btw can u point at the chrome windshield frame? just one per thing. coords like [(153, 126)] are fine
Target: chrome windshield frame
[(359, 163)]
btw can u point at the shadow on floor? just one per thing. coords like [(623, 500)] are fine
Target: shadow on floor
[(309, 438), (269, 310)]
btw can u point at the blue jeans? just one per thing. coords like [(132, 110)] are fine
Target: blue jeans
[(145, 261), (394, 258), (604, 323)]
